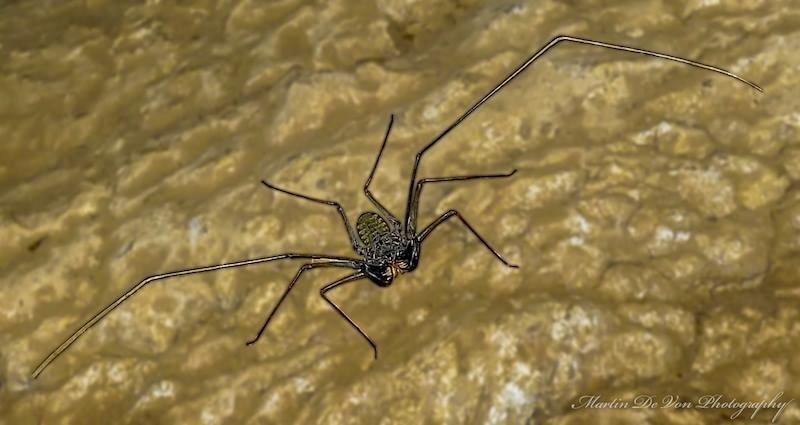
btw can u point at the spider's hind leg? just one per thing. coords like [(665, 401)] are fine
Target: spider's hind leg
[(342, 281), (304, 267)]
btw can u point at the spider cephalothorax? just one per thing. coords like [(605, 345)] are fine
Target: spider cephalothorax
[(383, 272), (387, 250)]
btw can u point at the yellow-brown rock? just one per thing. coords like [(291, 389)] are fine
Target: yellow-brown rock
[(655, 214)]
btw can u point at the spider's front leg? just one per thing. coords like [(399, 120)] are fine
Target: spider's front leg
[(411, 213)]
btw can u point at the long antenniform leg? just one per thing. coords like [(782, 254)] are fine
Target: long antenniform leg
[(350, 232), (422, 182), (303, 268), (427, 231), (410, 225), (343, 261), (381, 209), (342, 281)]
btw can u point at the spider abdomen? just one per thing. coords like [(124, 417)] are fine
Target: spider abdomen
[(371, 228), (381, 243)]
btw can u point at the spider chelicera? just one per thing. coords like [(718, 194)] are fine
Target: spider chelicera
[(388, 248)]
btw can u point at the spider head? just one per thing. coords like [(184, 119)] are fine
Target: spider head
[(383, 271), (380, 274)]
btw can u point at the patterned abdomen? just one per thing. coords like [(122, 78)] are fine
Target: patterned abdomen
[(372, 228), (381, 244)]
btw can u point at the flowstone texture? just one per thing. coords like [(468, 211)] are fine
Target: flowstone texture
[(655, 214)]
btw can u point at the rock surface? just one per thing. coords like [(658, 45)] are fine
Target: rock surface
[(655, 214)]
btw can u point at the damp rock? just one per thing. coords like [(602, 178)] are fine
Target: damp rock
[(653, 216), (734, 251), (708, 188)]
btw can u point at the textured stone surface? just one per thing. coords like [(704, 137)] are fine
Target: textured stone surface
[(655, 214)]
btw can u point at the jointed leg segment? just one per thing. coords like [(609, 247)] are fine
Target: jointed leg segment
[(414, 208), (444, 217), (315, 258), (350, 232), (342, 281), (519, 70), (303, 268), (381, 209)]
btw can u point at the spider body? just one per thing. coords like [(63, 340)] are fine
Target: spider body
[(387, 253), (388, 247)]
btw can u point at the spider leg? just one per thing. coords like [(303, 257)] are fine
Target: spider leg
[(444, 217), (522, 67), (418, 192), (342, 281), (381, 209), (350, 232), (304, 267), (197, 270)]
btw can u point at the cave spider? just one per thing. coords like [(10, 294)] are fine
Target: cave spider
[(387, 247)]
